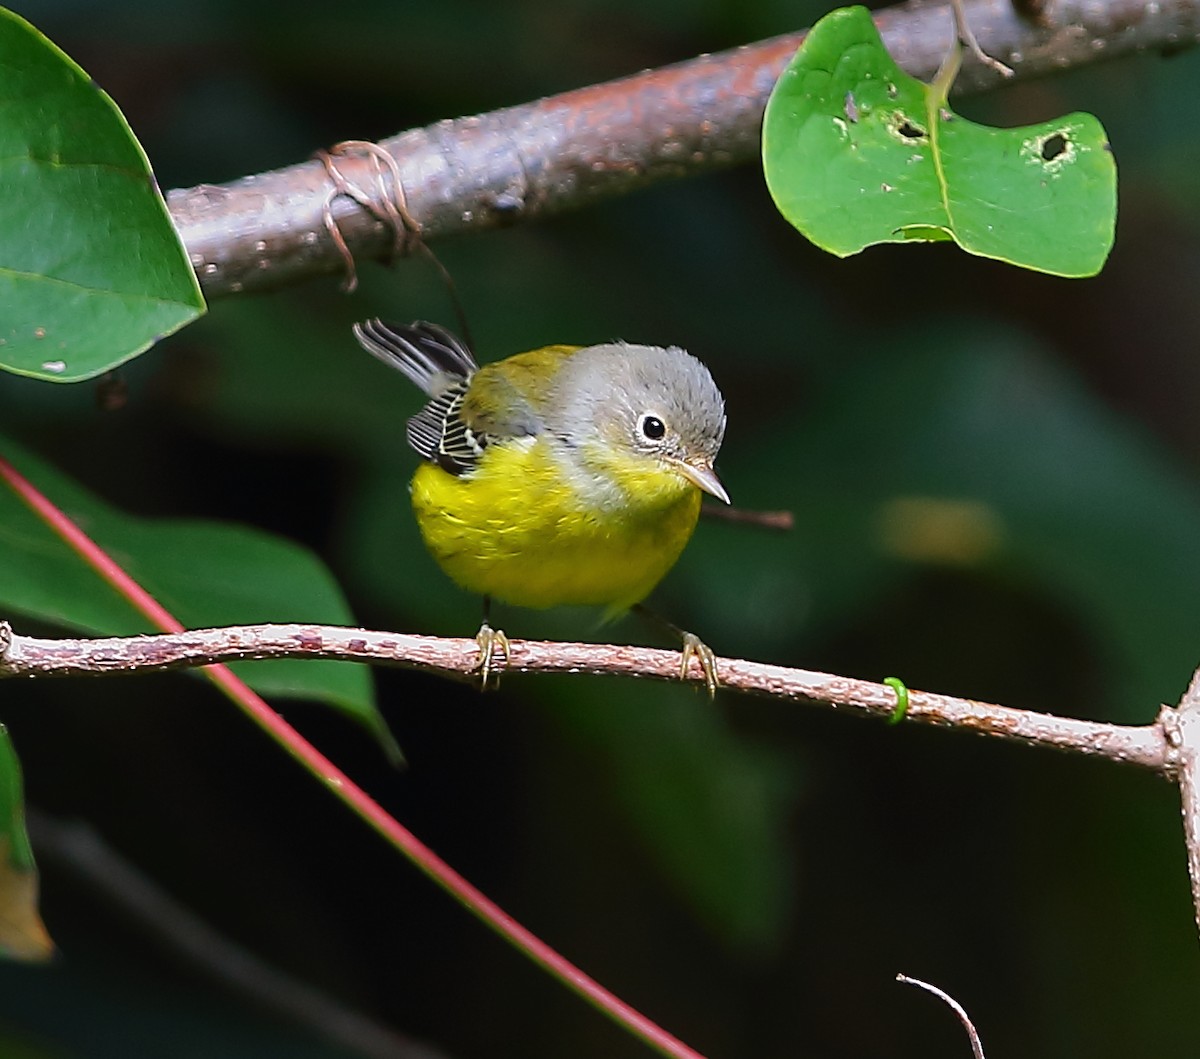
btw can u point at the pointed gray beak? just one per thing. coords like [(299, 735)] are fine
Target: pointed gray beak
[(705, 478)]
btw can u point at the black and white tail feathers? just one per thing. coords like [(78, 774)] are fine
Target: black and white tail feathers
[(427, 355), (442, 366)]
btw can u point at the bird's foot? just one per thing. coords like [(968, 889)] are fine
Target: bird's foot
[(492, 642), (694, 647)]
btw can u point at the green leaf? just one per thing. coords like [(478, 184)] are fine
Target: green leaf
[(22, 934), (856, 152), (205, 573), (92, 271)]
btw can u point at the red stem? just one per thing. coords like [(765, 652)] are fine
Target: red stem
[(471, 898)]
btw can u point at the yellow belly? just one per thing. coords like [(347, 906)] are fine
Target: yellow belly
[(517, 530)]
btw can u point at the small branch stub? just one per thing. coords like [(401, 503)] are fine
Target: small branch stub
[(954, 1005), (1182, 728)]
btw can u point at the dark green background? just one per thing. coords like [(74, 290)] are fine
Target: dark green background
[(752, 876)]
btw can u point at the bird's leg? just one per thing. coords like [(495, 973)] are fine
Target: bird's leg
[(490, 642), (693, 647)]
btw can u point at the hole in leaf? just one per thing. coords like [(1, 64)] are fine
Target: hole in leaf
[(1053, 146), (906, 129), (926, 233)]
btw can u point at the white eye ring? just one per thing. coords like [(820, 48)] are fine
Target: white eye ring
[(652, 427)]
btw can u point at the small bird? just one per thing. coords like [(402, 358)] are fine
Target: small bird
[(567, 475)]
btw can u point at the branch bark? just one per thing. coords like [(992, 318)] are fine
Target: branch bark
[(1182, 729), (26, 656), (569, 150)]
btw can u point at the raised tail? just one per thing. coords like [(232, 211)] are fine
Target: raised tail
[(424, 353)]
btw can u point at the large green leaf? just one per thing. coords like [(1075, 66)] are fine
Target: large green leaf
[(92, 271), (856, 152), (22, 934), (205, 573)]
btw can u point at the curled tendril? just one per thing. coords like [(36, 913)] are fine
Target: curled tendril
[(897, 685)]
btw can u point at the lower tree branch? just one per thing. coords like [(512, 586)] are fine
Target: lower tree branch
[(26, 656)]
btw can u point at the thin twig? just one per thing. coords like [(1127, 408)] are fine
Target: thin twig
[(954, 1005), (77, 848), (966, 36), (27, 656), (774, 520), (570, 150)]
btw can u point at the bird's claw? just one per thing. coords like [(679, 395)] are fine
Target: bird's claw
[(491, 642), (694, 647)]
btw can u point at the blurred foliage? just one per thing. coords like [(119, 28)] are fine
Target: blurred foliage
[(22, 933), (995, 481)]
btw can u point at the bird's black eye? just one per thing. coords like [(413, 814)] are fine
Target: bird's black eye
[(653, 427)]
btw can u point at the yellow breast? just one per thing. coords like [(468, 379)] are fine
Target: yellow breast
[(521, 529)]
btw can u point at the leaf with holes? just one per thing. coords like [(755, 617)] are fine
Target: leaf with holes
[(22, 934), (91, 269), (856, 152)]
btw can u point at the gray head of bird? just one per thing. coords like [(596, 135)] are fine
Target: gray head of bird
[(647, 403)]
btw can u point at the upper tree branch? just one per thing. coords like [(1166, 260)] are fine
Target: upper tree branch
[(25, 656), (572, 149)]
